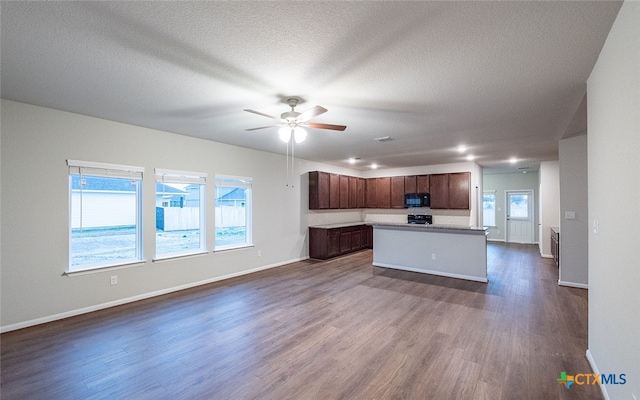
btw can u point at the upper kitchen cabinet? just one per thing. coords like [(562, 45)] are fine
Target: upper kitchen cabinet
[(439, 190), (397, 191), (353, 192), (372, 192), (450, 191), (334, 191), (422, 184), (318, 190), (410, 184), (459, 190), (361, 197), (344, 191), (383, 192)]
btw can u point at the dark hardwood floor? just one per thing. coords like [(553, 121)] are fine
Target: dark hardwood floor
[(337, 329)]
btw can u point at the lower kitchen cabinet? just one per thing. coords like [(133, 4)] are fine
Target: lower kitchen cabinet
[(331, 242)]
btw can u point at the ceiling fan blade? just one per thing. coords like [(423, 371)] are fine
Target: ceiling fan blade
[(259, 113), (261, 127), (326, 126), (310, 113)]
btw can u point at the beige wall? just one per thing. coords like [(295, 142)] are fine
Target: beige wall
[(614, 190), (549, 203)]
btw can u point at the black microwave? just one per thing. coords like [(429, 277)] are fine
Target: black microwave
[(416, 200)]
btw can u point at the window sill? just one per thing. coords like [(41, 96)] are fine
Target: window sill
[(244, 246), (103, 268), (176, 256)]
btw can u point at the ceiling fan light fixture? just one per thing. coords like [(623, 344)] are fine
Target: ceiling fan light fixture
[(299, 134), (285, 133)]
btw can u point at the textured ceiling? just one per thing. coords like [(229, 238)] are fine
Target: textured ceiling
[(503, 78)]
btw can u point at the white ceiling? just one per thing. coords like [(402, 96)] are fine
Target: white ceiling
[(503, 78)]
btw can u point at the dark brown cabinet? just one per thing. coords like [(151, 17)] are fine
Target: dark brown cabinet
[(397, 191), (422, 184), (450, 191), (372, 193), (410, 184), (459, 190), (361, 199), (555, 245), (353, 192), (439, 190), (334, 191), (326, 243), (383, 192), (344, 191), (318, 190)]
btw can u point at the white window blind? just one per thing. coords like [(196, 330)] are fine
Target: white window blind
[(175, 176)]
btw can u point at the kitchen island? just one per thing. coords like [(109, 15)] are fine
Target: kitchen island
[(452, 251)]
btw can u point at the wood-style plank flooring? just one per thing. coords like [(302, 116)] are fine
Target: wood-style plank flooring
[(337, 329)]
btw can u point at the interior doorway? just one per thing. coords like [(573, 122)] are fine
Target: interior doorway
[(519, 224)]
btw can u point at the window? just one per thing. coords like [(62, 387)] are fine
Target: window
[(489, 208), (105, 215), (180, 213), (233, 212)]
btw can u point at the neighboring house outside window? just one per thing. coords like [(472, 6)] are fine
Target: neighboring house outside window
[(180, 213), (489, 208), (233, 210), (105, 221)]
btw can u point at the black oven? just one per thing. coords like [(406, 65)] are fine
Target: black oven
[(420, 219)]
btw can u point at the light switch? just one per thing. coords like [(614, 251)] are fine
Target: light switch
[(569, 215), (595, 226)]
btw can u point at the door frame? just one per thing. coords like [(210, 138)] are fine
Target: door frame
[(531, 207)]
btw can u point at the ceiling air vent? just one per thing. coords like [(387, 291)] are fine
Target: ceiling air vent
[(383, 139)]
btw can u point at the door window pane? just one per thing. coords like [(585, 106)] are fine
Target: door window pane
[(519, 206)]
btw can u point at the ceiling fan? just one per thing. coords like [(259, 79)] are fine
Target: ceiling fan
[(292, 123)]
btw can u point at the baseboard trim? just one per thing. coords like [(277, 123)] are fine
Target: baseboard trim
[(573, 284), (495, 240), (102, 306), (546, 255), (594, 367), (425, 271)]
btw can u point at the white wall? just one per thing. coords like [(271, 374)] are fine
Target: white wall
[(614, 189), (574, 239), (36, 142), (549, 203), (503, 182)]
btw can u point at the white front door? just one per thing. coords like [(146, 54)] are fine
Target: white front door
[(520, 216)]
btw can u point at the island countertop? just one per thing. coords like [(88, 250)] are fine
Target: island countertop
[(459, 229)]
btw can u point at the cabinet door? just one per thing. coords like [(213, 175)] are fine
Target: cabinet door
[(383, 192), (345, 242), (334, 191), (318, 243), (459, 190), (439, 190), (372, 193), (367, 236), (333, 242), (397, 192), (353, 192), (410, 184), (356, 240), (422, 184), (318, 190), (361, 200), (344, 191)]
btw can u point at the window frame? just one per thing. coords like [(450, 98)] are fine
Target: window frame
[(484, 211), (236, 181), (185, 177), (106, 170)]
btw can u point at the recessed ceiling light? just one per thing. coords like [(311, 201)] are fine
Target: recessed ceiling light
[(471, 157), (353, 160), (513, 160), (374, 166), (462, 148)]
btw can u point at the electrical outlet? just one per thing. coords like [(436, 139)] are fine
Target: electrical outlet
[(595, 226), (114, 280), (433, 256)]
